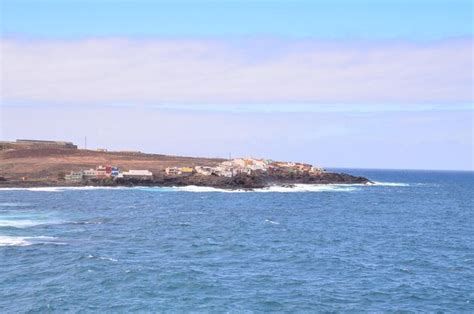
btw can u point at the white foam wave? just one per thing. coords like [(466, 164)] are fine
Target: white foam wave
[(14, 204), (154, 188), (37, 189), (205, 189), (200, 189), (44, 189), (103, 258), (65, 188), (298, 188), (16, 220), (272, 222), (22, 223), (274, 189), (376, 183), (13, 241), (25, 241)]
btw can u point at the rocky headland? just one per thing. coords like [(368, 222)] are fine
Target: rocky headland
[(45, 165)]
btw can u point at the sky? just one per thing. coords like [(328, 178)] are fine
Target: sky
[(366, 84)]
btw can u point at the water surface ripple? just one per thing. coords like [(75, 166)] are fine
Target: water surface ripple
[(403, 244)]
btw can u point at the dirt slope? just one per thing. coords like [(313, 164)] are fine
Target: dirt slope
[(42, 162)]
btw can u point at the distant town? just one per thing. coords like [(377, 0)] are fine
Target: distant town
[(38, 162), (227, 168)]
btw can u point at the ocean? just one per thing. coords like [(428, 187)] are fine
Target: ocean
[(403, 244)]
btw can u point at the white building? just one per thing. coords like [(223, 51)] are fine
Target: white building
[(91, 173), (137, 174), (172, 171), (74, 176), (203, 170)]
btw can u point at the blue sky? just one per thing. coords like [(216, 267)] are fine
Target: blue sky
[(350, 19), (373, 84)]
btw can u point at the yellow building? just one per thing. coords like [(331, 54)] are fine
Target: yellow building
[(186, 170)]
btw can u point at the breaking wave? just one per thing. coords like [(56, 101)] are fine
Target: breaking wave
[(24, 223), (64, 188), (44, 189), (295, 188), (376, 183), (276, 188), (203, 189), (14, 204), (309, 188), (26, 241), (206, 189), (103, 258)]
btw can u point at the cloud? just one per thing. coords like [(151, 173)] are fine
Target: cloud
[(154, 71)]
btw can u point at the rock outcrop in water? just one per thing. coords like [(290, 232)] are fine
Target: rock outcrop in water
[(241, 181)]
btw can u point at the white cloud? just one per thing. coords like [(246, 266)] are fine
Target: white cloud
[(100, 71)]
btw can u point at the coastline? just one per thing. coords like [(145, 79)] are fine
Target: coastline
[(238, 182), (33, 163)]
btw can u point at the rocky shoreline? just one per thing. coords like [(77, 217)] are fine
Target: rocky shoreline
[(238, 182)]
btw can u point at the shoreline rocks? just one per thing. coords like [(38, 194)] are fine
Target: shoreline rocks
[(241, 181)]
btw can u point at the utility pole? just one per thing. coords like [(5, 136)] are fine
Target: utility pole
[(85, 142)]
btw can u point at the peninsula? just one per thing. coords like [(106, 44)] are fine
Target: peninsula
[(35, 163)]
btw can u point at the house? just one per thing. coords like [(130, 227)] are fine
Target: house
[(203, 170), (101, 172), (74, 176), (172, 171), (114, 171), (222, 171), (91, 173), (136, 174), (186, 170), (243, 171), (225, 173)]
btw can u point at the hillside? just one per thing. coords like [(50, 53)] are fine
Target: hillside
[(28, 163), (41, 162)]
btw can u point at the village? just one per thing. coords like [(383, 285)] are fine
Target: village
[(54, 160), (228, 168)]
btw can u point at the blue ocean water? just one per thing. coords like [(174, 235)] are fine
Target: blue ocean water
[(406, 243)]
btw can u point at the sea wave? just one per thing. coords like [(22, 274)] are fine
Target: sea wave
[(376, 183), (65, 188), (26, 241), (297, 188), (7, 204), (201, 189), (20, 219), (309, 188), (206, 189), (22, 223), (277, 188), (37, 189), (103, 258)]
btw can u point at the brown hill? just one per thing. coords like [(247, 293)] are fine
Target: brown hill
[(43, 162)]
